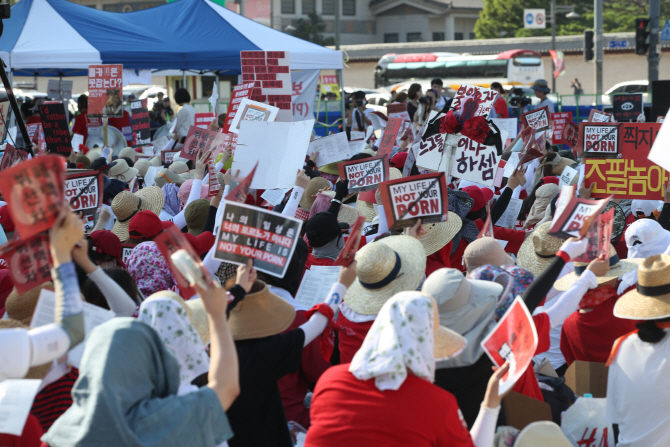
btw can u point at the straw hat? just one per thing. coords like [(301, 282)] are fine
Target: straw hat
[(347, 214), (36, 372), (126, 204), (142, 166), (447, 342), (128, 152), (260, 314), (166, 176), (367, 209), (539, 250), (439, 234), (313, 187), (198, 318), (120, 170), (542, 433), (21, 306), (617, 268), (331, 168), (651, 299), (387, 266)]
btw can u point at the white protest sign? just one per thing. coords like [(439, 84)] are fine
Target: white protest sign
[(76, 141), (331, 149), (16, 400), (364, 174), (475, 162), (659, 153), (471, 101), (274, 196), (431, 154), (415, 197), (151, 173), (148, 149), (537, 119), (567, 176), (252, 111), (316, 283), (378, 123), (511, 125), (509, 217), (512, 163), (601, 140)]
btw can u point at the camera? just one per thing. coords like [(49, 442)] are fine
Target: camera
[(518, 98), (425, 100)]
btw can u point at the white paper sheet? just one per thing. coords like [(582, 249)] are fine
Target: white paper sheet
[(356, 135), (512, 163), (159, 144), (331, 149), (508, 219), (16, 399), (316, 284), (151, 173), (356, 147), (377, 122), (508, 124), (76, 141), (148, 150), (567, 176), (659, 153), (274, 196)]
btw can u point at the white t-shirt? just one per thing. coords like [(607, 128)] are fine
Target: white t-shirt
[(638, 394), (185, 119)]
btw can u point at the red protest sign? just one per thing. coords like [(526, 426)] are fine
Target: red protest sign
[(203, 120), (599, 140), (598, 237), (200, 140), (367, 196), (11, 157), (571, 135), (365, 174), (513, 339), (36, 135), (240, 91), (633, 176), (34, 193), (29, 262), (558, 123), (83, 190), (537, 119), (55, 128), (577, 217), (214, 185), (487, 230), (596, 116), (105, 90), (271, 73), (347, 254), (530, 155), (422, 197), (389, 137), (239, 193)]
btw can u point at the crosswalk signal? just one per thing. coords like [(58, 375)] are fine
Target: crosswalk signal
[(588, 45), (641, 35)]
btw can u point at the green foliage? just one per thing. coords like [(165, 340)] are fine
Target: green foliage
[(311, 30), (504, 18)]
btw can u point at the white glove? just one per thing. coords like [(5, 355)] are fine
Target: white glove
[(575, 248)]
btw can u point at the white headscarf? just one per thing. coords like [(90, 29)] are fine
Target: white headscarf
[(644, 238), (401, 338), (174, 328)]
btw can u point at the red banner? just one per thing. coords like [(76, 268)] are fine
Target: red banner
[(240, 92), (105, 90), (239, 193)]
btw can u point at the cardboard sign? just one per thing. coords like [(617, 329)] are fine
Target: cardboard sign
[(389, 137), (268, 238), (105, 90), (627, 107), (240, 91), (200, 140), (422, 197), (11, 157), (398, 110), (127, 251), (331, 149), (432, 154), (29, 261), (271, 73), (169, 242), (252, 111), (596, 116), (599, 140), (576, 218), (365, 174), (558, 123), (34, 193), (203, 120), (513, 339), (84, 191), (347, 254), (634, 175), (537, 119), (241, 190), (471, 101), (475, 162), (567, 176), (55, 128), (571, 136), (141, 126), (598, 237)]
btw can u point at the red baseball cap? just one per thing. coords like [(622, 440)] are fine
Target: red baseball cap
[(206, 239), (145, 225), (550, 179), (481, 196), (6, 219), (106, 242)]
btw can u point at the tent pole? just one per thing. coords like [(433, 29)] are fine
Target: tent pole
[(216, 108), (340, 80), (183, 79)]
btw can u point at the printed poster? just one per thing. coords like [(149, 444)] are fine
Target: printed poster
[(599, 140), (29, 261), (105, 90), (596, 116), (558, 123), (252, 111), (471, 101), (537, 119), (240, 91), (627, 107), (408, 199), (83, 190), (577, 217), (475, 162), (348, 253), (365, 174), (200, 140), (56, 129), (140, 124)]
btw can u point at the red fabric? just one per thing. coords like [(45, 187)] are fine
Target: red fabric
[(589, 336), (481, 196), (80, 125), (543, 326), (206, 240), (439, 259), (527, 383), (293, 387), (321, 308), (33, 120), (399, 160), (32, 432), (6, 219), (550, 179), (621, 247), (6, 286), (514, 240), (312, 260), (593, 298), (350, 412), (563, 255), (501, 109), (54, 399), (120, 123), (350, 336)]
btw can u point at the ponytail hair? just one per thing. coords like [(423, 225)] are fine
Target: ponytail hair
[(649, 332)]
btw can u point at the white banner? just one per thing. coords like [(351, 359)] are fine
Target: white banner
[(304, 93)]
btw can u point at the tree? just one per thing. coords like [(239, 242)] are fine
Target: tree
[(504, 18), (311, 30)]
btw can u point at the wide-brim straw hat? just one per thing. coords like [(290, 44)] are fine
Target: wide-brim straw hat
[(367, 209), (126, 204), (312, 189), (347, 214), (651, 299), (439, 234), (198, 317), (539, 250), (448, 343), (331, 168), (21, 306), (378, 268), (260, 314), (36, 372), (617, 268), (542, 433)]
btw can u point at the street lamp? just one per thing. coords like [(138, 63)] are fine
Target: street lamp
[(570, 9)]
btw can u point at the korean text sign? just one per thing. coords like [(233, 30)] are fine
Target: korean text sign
[(473, 101), (538, 119), (200, 140), (390, 134), (627, 107), (55, 128), (475, 162), (599, 140), (598, 236), (596, 116), (365, 174), (105, 90), (11, 157), (422, 197), (240, 92), (271, 73), (633, 176), (83, 190), (514, 339), (202, 120), (571, 135), (558, 123), (576, 218), (141, 126), (29, 262), (34, 193), (268, 238)]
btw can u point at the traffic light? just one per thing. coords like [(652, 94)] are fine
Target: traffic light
[(641, 35), (588, 45)]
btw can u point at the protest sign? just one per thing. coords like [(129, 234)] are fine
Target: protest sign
[(432, 154), (11, 157), (105, 90), (279, 149), (127, 251), (252, 111), (627, 107), (76, 141), (471, 101), (33, 191), (365, 174), (571, 136), (240, 91), (596, 116), (537, 119), (634, 175), (347, 254), (511, 125), (303, 94), (241, 190), (599, 140), (270, 70), (331, 149), (389, 137), (398, 110), (576, 218), (214, 185), (509, 217), (55, 128), (203, 120), (29, 261), (168, 157), (200, 140), (141, 126), (422, 197), (378, 123), (36, 135), (83, 190), (268, 238), (410, 160), (513, 339), (558, 123), (316, 284), (598, 237), (564, 197), (568, 176), (16, 400), (475, 162)]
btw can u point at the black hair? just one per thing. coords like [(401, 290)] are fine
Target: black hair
[(360, 156), (82, 101), (182, 96), (436, 81), (413, 90), (497, 86), (130, 162), (93, 295), (358, 94), (649, 332)]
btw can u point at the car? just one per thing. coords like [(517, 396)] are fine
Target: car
[(628, 87), (367, 91)]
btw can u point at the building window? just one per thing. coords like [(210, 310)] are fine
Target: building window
[(437, 37), (348, 7), (308, 6), (328, 7), (458, 36), (288, 6), (472, 36), (391, 38), (414, 37)]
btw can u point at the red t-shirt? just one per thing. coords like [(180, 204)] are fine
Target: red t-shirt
[(32, 432), (350, 412), (312, 260), (439, 259), (501, 109), (350, 336), (80, 125), (120, 123)]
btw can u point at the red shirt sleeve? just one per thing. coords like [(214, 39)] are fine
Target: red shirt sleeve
[(501, 109), (543, 326), (514, 238), (566, 348)]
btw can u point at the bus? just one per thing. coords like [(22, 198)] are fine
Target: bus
[(510, 68)]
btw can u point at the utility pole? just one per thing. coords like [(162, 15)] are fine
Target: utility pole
[(598, 27), (337, 24), (553, 44), (654, 44)]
